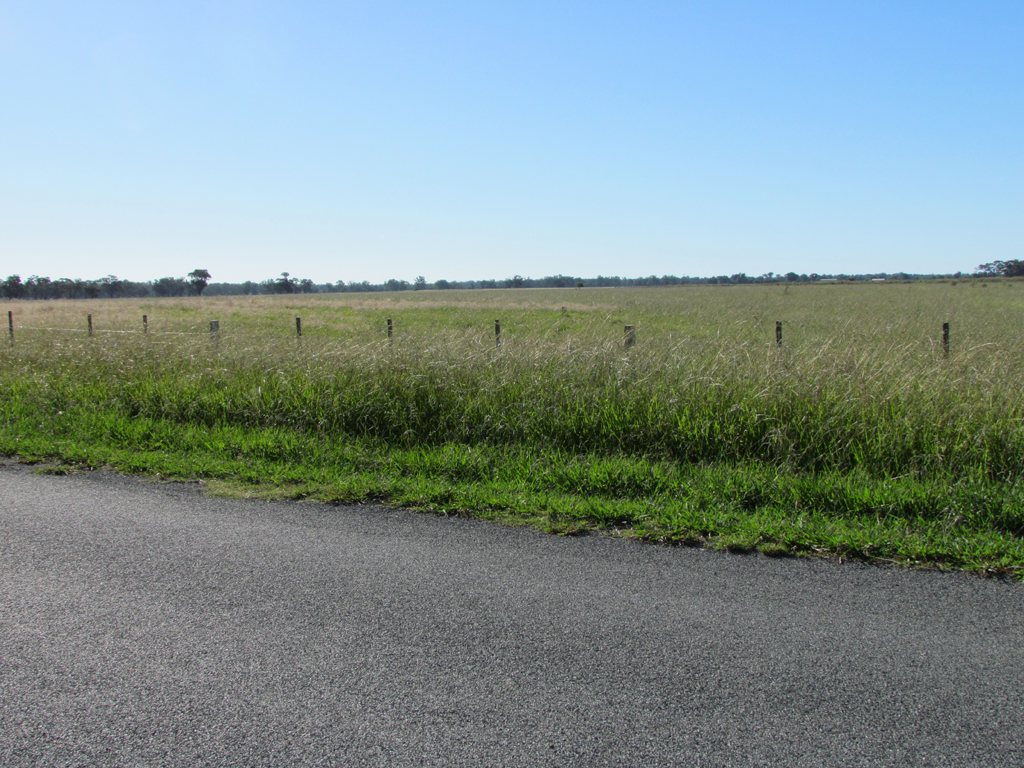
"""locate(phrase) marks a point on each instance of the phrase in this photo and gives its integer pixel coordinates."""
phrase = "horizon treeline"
(110, 286)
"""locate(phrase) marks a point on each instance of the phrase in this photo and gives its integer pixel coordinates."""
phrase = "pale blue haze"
(478, 140)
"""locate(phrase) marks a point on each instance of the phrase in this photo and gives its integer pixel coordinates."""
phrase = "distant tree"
(516, 281)
(199, 278)
(396, 285)
(170, 286)
(556, 281)
(91, 289)
(419, 283)
(792, 277)
(13, 288)
(65, 288)
(112, 285)
(442, 285)
(306, 286)
(285, 284)
(39, 288)
(135, 290)
(1010, 268)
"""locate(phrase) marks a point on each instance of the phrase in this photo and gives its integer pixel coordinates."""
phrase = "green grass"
(858, 437)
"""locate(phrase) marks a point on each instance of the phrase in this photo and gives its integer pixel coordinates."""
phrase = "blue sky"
(364, 141)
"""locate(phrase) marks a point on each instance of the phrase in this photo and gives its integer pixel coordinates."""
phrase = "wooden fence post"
(630, 335)
(945, 339)
(90, 324)
(391, 330)
(215, 330)
(497, 333)
(298, 327)
(145, 323)
(778, 332)
(10, 325)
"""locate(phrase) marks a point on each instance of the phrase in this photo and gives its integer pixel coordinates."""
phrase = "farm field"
(858, 437)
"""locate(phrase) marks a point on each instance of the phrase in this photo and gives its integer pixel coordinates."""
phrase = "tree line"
(111, 287)
(198, 283)
(1010, 268)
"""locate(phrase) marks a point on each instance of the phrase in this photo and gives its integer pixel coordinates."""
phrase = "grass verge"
(966, 523)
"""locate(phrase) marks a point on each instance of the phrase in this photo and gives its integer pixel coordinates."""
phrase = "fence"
(89, 330)
(214, 332)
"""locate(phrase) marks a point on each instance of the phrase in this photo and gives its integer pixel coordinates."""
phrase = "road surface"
(145, 624)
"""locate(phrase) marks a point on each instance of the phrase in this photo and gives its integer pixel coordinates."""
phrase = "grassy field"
(857, 437)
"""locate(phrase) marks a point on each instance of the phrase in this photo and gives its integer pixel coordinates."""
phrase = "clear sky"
(458, 140)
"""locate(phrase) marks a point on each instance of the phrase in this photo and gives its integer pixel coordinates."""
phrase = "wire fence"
(107, 330)
(89, 330)
(629, 335)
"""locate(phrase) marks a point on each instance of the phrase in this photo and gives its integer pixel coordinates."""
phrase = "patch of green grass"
(967, 524)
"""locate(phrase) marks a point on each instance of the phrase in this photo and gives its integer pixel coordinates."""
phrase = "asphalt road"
(145, 624)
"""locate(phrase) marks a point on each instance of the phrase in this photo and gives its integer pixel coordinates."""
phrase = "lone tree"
(199, 279)
(285, 283)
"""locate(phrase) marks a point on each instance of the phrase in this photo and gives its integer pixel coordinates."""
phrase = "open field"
(858, 436)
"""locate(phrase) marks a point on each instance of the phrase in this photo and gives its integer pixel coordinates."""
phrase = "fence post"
(630, 335)
(215, 330)
(10, 325)
(90, 324)
(945, 339)
(497, 333)
(390, 330)
(298, 327)
(778, 332)
(145, 323)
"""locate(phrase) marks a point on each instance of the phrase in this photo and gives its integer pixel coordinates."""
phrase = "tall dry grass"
(861, 381)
